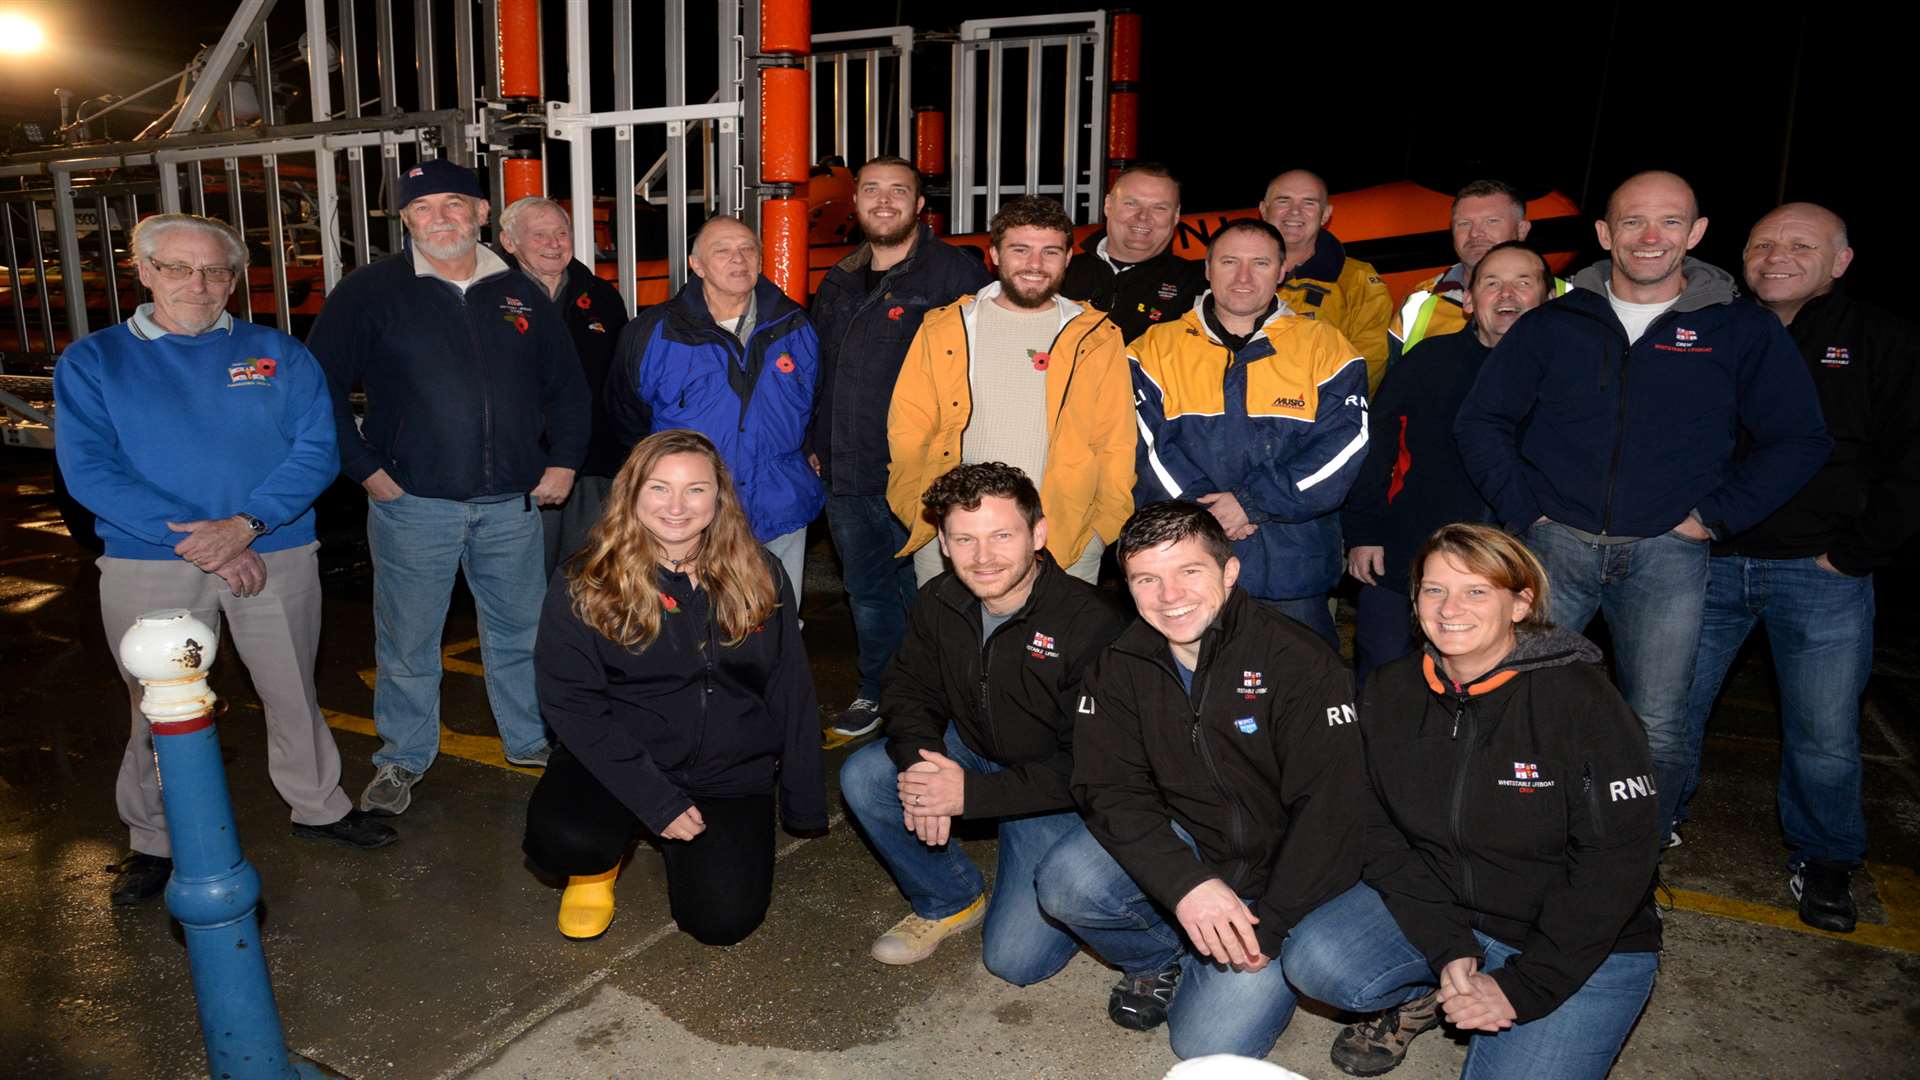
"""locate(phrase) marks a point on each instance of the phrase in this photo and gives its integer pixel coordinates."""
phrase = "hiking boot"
(1826, 899)
(535, 760)
(1379, 1045)
(142, 877)
(857, 719)
(1139, 1002)
(391, 791)
(357, 829)
(913, 938)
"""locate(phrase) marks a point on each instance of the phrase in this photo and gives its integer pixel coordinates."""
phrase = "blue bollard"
(214, 891)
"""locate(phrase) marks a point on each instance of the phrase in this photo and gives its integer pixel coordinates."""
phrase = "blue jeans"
(1019, 943)
(1820, 628)
(1311, 612)
(1216, 1010)
(1382, 631)
(417, 545)
(1653, 593)
(880, 588)
(1351, 954)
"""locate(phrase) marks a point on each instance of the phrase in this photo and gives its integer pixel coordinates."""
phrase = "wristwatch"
(258, 527)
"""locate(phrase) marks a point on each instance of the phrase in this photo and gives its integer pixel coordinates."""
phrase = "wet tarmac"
(437, 957)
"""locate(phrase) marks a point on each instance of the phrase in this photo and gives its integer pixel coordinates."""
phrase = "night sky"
(1362, 94)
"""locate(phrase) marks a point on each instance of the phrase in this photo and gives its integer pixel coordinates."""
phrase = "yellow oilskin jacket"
(1346, 292)
(1088, 486)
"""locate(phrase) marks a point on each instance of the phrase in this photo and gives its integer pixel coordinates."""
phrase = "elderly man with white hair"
(735, 359)
(200, 443)
(476, 416)
(537, 236)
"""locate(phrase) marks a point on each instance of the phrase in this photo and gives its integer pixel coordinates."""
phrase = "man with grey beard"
(476, 416)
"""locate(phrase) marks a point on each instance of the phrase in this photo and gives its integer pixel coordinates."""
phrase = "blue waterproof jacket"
(1281, 424)
(1569, 420)
(677, 368)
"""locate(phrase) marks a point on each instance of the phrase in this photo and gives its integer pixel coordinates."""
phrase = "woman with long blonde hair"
(670, 668)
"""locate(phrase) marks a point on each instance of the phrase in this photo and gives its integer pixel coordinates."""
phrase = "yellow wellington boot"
(586, 907)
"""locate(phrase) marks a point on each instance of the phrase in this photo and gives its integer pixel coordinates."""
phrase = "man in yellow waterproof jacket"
(1321, 281)
(1018, 374)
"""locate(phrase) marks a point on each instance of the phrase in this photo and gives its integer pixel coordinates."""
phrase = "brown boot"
(1379, 1045)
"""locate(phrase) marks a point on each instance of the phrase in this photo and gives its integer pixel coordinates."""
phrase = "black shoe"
(1139, 1002)
(857, 719)
(1826, 902)
(358, 829)
(142, 877)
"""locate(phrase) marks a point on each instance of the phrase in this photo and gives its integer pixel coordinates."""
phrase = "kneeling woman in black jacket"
(670, 667)
(1511, 837)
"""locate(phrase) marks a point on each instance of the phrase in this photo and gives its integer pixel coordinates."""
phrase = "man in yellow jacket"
(1018, 374)
(1321, 281)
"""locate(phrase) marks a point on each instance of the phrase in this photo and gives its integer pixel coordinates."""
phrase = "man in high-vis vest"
(1485, 213)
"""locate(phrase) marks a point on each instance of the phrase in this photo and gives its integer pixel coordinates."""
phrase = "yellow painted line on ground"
(447, 662)
(484, 749)
(1899, 896)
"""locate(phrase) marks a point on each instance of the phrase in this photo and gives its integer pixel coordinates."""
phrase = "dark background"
(1745, 100)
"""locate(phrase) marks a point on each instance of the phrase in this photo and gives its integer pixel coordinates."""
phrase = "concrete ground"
(437, 958)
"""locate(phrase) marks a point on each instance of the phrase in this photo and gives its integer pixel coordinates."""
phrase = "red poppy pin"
(584, 302)
(521, 324)
(895, 312)
(667, 601)
(1039, 359)
(266, 365)
(784, 363)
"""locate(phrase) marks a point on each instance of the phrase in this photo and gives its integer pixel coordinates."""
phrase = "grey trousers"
(276, 633)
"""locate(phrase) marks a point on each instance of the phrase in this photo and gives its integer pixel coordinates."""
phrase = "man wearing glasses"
(200, 443)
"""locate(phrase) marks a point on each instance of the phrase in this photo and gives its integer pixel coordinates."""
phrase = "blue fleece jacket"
(1571, 421)
(193, 428)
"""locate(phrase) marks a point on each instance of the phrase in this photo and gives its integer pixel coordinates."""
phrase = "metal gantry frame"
(206, 156)
(979, 158)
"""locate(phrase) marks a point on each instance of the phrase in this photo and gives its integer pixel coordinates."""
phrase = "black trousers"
(718, 883)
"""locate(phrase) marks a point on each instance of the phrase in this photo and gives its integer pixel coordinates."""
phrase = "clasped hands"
(933, 791)
(222, 546)
(1472, 1000)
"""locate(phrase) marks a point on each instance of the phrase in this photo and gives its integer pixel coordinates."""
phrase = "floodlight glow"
(20, 35)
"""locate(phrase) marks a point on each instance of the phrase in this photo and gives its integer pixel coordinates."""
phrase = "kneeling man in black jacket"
(1218, 760)
(979, 711)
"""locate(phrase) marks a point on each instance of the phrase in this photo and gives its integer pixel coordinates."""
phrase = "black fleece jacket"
(1141, 295)
(1261, 764)
(1521, 805)
(1865, 502)
(1012, 697)
(469, 395)
(689, 715)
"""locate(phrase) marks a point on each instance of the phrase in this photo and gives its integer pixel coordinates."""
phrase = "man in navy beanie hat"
(476, 416)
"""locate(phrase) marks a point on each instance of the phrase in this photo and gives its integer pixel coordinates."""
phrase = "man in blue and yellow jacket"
(1259, 415)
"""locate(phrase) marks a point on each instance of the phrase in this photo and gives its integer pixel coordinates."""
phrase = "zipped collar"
(1329, 255)
(1204, 316)
(1142, 640)
(772, 307)
(487, 264)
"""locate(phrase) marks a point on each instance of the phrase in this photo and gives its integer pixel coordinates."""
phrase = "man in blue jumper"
(200, 444)
(1602, 430)
(477, 416)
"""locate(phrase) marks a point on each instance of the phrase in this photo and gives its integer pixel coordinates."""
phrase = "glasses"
(215, 275)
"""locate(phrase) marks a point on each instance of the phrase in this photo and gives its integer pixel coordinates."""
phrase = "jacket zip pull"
(1459, 710)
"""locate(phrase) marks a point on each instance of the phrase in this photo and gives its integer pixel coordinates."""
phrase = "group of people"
(1189, 787)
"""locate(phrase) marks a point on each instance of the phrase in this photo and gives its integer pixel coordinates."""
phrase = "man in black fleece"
(1807, 569)
(477, 416)
(1413, 481)
(979, 705)
(1219, 762)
